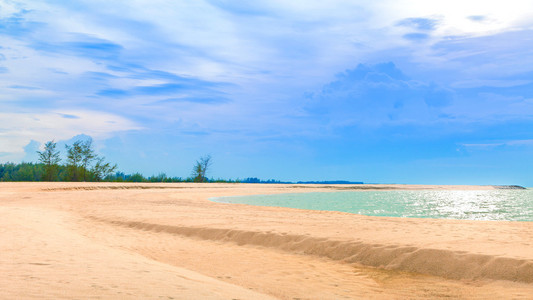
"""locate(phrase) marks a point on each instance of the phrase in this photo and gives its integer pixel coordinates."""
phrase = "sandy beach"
(168, 241)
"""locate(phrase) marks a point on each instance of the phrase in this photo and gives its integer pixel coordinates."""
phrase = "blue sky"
(432, 92)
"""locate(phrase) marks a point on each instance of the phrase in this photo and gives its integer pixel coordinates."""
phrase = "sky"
(391, 91)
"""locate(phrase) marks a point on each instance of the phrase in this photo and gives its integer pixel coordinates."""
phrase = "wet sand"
(168, 241)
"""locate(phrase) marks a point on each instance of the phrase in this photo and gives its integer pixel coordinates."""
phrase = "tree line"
(83, 164)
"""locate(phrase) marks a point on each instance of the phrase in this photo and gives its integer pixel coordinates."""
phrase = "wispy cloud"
(477, 18)
(212, 100)
(267, 73)
(416, 36)
(424, 24)
(23, 87)
(84, 46)
(490, 146)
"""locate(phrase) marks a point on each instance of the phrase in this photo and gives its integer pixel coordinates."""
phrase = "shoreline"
(157, 221)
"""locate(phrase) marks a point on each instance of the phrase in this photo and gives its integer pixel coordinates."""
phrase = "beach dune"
(168, 241)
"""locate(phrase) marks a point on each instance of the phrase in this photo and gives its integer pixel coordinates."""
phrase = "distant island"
(330, 182)
(257, 180)
(509, 187)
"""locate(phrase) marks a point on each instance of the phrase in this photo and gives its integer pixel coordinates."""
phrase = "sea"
(497, 205)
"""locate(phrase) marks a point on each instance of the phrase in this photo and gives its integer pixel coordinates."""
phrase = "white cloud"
(273, 51)
(301, 41)
(17, 129)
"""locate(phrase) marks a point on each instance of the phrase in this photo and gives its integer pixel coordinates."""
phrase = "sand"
(168, 241)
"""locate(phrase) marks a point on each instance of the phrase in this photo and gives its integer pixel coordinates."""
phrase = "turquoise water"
(509, 205)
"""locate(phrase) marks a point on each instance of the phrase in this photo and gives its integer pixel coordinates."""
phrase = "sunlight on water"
(510, 205)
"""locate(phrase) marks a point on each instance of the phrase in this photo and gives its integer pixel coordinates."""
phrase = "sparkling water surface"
(508, 205)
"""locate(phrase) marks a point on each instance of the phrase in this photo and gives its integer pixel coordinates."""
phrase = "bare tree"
(200, 169)
(50, 158)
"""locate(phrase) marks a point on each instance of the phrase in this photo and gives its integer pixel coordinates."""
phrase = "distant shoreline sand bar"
(66, 240)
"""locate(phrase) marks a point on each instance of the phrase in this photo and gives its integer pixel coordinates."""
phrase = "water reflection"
(511, 205)
(472, 205)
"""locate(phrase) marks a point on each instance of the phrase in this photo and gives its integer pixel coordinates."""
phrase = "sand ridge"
(446, 263)
(167, 224)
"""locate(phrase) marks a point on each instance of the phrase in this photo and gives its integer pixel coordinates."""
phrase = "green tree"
(7, 172)
(74, 161)
(136, 177)
(102, 169)
(24, 172)
(87, 156)
(80, 155)
(200, 168)
(50, 159)
(162, 177)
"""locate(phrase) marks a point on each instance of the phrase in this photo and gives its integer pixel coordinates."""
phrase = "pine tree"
(50, 159)
(74, 161)
(200, 169)
(102, 169)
